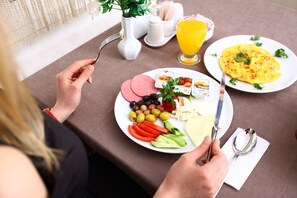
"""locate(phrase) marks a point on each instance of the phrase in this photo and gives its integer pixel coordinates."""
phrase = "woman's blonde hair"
(21, 121)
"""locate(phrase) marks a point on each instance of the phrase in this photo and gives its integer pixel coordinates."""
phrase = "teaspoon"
(243, 143)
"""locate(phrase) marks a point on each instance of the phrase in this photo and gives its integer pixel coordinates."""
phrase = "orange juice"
(190, 35)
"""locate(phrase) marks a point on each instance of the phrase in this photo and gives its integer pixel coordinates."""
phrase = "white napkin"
(244, 165)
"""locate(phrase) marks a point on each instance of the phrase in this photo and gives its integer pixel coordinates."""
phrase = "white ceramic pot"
(141, 24)
(129, 47)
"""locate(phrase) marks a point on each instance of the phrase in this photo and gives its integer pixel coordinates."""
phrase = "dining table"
(273, 114)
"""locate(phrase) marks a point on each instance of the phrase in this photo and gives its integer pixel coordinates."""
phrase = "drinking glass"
(190, 33)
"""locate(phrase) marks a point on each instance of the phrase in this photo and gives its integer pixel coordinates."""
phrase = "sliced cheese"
(205, 108)
(184, 110)
(199, 127)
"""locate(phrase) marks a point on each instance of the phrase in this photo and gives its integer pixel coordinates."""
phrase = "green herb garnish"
(281, 53)
(247, 61)
(239, 57)
(233, 81)
(258, 44)
(243, 57)
(258, 86)
(167, 92)
(191, 97)
(129, 8)
(214, 55)
(255, 38)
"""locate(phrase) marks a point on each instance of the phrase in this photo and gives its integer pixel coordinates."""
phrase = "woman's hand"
(188, 179)
(69, 87)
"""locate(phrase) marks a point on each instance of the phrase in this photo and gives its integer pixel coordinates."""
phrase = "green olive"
(164, 115)
(132, 116)
(156, 112)
(160, 107)
(138, 111)
(152, 106)
(146, 112)
(140, 117)
(150, 118)
(143, 107)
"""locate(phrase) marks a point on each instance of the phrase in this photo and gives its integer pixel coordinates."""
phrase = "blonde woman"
(40, 158)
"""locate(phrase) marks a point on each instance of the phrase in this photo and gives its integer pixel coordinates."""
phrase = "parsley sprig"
(168, 91)
(280, 53)
(258, 86)
(255, 38)
(258, 44)
(243, 57)
(232, 81)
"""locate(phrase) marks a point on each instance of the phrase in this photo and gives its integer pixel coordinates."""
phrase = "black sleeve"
(72, 176)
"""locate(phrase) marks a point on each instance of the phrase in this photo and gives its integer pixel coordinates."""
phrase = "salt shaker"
(155, 34)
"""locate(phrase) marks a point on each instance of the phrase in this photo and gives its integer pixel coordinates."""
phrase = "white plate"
(121, 110)
(288, 65)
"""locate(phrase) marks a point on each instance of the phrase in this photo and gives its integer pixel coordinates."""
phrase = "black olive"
(145, 98)
(140, 103)
(148, 103)
(135, 107)
(153, 96)
(132, 104)
(156, 102)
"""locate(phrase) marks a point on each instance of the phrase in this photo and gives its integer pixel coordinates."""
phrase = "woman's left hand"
(69, 87)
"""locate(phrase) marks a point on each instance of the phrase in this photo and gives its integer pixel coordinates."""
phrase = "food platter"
(288, 65)
(121, 110)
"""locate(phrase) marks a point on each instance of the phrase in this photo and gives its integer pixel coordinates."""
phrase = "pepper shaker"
(155, 34)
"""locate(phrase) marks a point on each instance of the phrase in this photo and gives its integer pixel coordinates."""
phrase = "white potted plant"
(129, 47)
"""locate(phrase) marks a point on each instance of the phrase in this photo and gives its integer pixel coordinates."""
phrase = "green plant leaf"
(130, 8)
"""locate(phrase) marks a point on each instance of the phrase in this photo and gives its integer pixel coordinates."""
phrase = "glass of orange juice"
(190, 33)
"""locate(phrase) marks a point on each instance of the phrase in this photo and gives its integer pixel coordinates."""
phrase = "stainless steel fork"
(107, 41)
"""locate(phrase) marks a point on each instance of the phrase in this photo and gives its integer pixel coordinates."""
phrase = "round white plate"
(121, 110)
(288, 65)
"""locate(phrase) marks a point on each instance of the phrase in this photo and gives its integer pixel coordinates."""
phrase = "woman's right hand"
(188, 179)
(69, 86)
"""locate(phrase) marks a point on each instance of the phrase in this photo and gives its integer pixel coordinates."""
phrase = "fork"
(107, 41)
(103, 44)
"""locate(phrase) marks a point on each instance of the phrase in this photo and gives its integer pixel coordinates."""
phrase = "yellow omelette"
(249, 63)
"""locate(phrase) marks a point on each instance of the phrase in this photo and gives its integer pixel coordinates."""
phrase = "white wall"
(47, 49)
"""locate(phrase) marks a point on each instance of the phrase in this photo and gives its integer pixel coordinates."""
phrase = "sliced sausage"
(143, 85)
(127, 92)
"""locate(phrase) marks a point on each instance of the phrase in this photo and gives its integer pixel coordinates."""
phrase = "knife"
(218, 115)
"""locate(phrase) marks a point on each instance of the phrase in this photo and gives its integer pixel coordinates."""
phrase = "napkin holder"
(141, 23)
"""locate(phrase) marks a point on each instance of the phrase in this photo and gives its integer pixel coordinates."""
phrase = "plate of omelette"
(252, 63)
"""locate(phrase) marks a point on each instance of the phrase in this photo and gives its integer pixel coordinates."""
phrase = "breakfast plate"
(288, 68)
(122, 108)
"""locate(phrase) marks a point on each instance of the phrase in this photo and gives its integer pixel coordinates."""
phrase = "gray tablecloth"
(273, 115)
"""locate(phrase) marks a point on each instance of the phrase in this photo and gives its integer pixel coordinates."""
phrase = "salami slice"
(127, 92)
(143, 85)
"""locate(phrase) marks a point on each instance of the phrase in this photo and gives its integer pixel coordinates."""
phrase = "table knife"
(218, 115)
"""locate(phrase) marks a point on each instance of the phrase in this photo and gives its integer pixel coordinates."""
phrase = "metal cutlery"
(218, 115)
(107, 41)
(102, 45)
